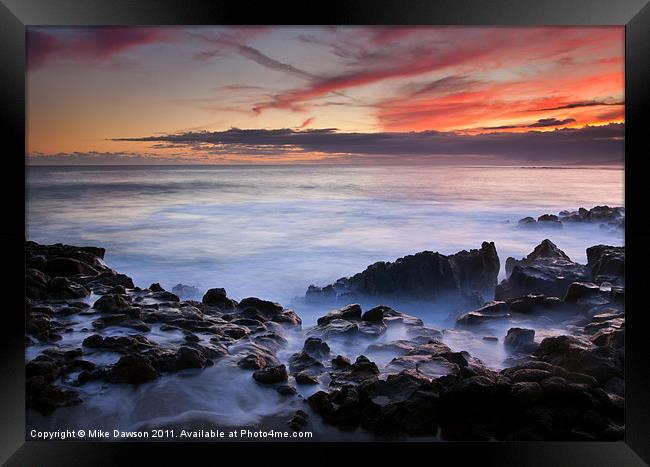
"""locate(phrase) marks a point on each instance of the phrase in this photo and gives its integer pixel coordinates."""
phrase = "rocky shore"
(403, 381)
(604, 216)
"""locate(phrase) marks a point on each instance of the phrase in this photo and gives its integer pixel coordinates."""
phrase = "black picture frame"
(15, 15)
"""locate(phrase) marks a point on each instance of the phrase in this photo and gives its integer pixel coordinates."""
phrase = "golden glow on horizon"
(83, 92)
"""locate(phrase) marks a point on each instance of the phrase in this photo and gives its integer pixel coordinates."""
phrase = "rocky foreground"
(558, 387)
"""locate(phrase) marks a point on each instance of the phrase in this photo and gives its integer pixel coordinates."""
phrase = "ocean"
(270, 232)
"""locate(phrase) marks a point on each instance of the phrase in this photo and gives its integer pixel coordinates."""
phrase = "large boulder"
(217, 297)
(476, 270)
(607, 264)
(547, 270)
(423, 276)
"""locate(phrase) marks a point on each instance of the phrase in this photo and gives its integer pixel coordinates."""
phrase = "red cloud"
(411, 52)
(307, 122)
(83, 43)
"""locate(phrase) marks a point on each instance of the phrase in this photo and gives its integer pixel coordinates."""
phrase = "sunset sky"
(122, 95)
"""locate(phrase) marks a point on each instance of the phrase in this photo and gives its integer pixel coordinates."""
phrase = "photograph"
(324, 233)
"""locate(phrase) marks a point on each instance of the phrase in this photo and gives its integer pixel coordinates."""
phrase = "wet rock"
(339, 408)
(110, 279)
(188, 357)
(476, 270)
(66, 267)
(402, 403)
(264, 310)
(165, 296)
(256, 361)
(156, 287)
(121, 320)
(62, 287)
(316, 348)
(361, 370)
(375, 314)
(125, 344)
(306, 378)
(549, 220)
(422, 276)
(493, 312)
(286, 390)
(580, 355)
(607, 263)
(527, 222)
(45, 397)
(534, 304)
(610, 337)
(299, 420)
(304, 362)
(348, 313)
(520, 340)
(341, 362)
(131, 369)
(112, 303)
(547, 270)
(271, 375)
(35, 283)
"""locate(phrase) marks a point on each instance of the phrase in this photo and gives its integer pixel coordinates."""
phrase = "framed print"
(395, 225)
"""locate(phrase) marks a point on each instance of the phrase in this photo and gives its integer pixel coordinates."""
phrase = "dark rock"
(520, 340)
(547, 270)
(534, 304)
(256, 361)
(131, 369)
(271, 375)
(302, 361)
(349, 313)
(35, 283)
(361, 370)
(303, 377)
(66, 267)
(126, 344)
(112, 303)
(496, 311)
(527, 222)
(286, 390)
(476, 270)
(580, 355)
(217, 297)
(607, 263)
(422, 276)
(316, 348)
(374, 314)
(45, 397)
(62, 287)
(340, 408)
(156, 287)
(188, 357)
(110, 279)
(165, 296)
(299, 420)
(264, 310)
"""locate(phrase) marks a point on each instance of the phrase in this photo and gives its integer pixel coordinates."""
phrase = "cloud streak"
(604, 143)
(96, 43)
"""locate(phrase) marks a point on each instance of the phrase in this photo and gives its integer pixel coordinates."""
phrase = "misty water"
(269, 232)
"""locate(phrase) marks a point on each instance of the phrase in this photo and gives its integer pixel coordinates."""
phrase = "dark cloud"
(97, 43)
(590, 143)
(575, 105)
(541, 123)
(450, 83)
